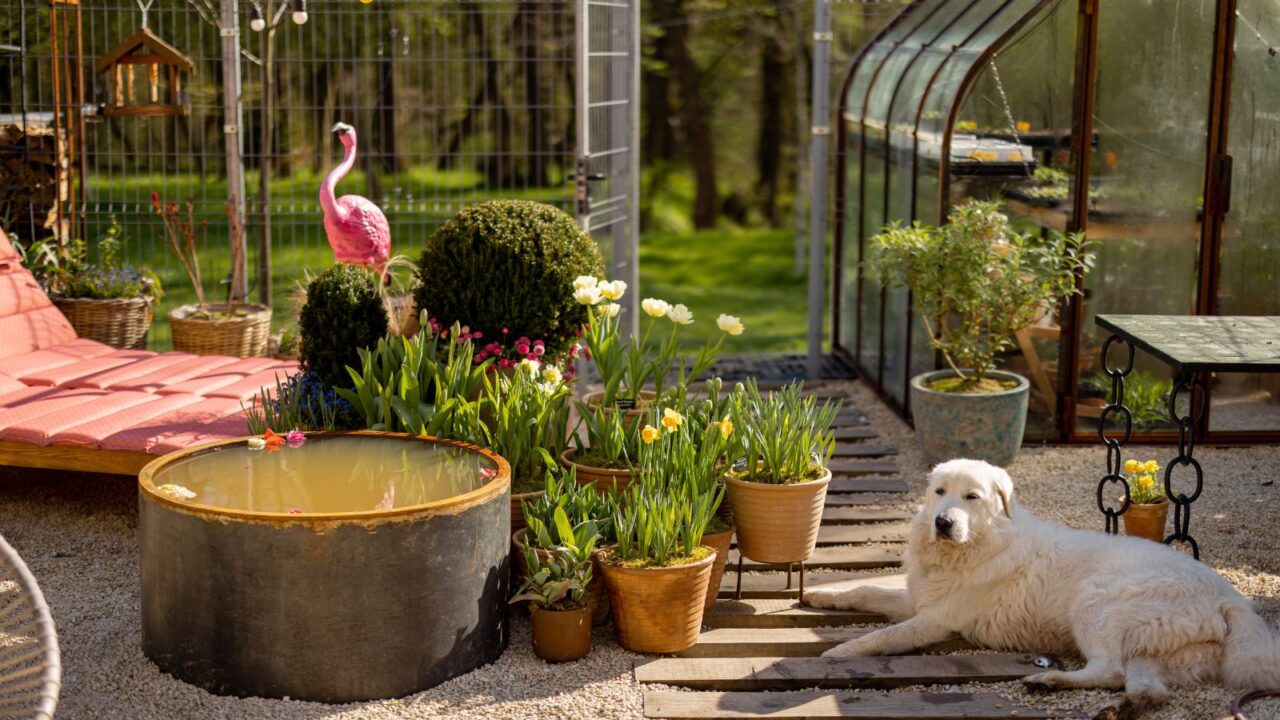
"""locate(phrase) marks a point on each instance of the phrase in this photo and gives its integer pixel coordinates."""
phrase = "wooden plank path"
(759, 652)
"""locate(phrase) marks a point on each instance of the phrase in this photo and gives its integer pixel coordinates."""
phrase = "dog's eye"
(971, 496)
(940, 491)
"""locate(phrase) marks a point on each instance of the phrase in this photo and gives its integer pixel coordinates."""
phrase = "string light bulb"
(256, 23)
(299, 12)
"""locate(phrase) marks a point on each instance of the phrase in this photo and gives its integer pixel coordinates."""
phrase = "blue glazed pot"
(978, 427)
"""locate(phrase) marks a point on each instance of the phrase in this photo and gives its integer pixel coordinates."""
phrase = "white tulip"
(530, 366)
(653, 307)
(552, 375)
(613, 290)
(610, 310)
(680, 315)
(587, 295)
(730, 324)
(585, 281)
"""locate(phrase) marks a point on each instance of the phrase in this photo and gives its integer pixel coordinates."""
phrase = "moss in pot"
(778, 484)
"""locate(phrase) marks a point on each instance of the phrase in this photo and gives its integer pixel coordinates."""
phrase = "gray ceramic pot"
(979, 427)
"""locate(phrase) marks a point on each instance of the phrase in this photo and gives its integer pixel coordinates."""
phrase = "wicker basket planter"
(244, 335)
(118, 322)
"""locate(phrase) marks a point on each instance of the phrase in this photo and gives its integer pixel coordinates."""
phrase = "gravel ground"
(77, 532)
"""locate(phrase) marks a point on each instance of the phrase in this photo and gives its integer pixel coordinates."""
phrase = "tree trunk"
(659, 140)
(385, 141)
(695, 117)
(773, 94)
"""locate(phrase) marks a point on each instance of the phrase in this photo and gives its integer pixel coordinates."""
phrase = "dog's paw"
(832, 599)
(852, 648)
(1041, 682)
(1120, 709)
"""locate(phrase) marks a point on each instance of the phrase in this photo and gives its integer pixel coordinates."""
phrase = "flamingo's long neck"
(328, 202)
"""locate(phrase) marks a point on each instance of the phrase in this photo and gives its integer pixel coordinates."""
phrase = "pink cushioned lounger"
(176, 373)
(69, 353)
(190, 421)
(33, 330)
(91, 433)
(65, 412)
(26, 395)
(8, 385)
(226, 375)
(249, 387)
(64, 374)
(226, 428)
(112, 377)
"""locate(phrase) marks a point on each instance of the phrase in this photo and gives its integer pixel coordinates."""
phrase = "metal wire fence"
(455, 101)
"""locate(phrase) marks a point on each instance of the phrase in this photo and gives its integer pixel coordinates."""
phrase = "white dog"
(1142, 615)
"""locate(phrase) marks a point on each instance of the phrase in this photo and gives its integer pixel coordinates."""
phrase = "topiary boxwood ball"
(508, 264)
(344, 312)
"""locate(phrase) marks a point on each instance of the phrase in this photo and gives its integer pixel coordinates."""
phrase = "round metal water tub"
(353, 566)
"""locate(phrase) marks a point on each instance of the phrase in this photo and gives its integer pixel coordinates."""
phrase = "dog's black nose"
(943, 523)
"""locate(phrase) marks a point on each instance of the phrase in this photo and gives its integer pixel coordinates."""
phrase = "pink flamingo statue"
(358, 231)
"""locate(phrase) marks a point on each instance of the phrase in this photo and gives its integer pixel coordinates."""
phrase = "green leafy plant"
(582, 506)
(528, 416)
(505, 269)
(610, 443)
(556, 581)
(299, 402)
(344, 313)
(782, 437)
(67, 271)
(419, 385)
(1144, 486)
(976, 282)
(660, 526)
(626, 367)
(1145, 394)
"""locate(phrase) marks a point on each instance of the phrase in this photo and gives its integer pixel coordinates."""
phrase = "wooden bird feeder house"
(144, 51)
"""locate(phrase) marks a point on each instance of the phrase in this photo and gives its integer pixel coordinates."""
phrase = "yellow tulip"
(649, 434)
(1151, 466)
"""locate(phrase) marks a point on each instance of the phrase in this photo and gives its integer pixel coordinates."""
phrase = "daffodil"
(726, 427)
(648, 434)
(653, 307)
(585, 281)
(609, 310)
(533, 367)
(680, 315)
(1132, 466)
(587, 295)
(551, 374)
(671, 420)
(613, 290)
(730, 324)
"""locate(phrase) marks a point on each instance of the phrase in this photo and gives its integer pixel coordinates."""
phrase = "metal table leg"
(1115, 409)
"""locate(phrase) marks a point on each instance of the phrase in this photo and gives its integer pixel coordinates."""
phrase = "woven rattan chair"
(30, 668)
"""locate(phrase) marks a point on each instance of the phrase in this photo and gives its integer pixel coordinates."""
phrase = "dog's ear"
(1004, 488)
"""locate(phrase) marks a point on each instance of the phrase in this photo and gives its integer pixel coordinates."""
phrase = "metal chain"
(1008, 112)
(1192, 388)
(1115, 409)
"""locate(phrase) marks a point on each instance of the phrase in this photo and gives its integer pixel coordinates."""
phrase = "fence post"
(821, 130)
(233, 115)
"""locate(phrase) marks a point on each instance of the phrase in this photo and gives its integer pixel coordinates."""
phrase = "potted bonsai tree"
(555, 587)
(975, 282)
(657, 573)
(1148, 509)
(109, 301)
(583, 508)
(778, 484)
(233, 327)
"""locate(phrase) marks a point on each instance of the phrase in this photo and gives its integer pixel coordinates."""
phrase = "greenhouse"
(1025, 102)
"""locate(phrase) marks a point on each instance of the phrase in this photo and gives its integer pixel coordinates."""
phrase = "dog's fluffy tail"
(1252, 650)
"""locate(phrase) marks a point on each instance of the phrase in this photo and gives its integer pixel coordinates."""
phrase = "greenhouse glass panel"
(1249, 278)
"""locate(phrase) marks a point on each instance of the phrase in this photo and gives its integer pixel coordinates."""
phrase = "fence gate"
(607, 177)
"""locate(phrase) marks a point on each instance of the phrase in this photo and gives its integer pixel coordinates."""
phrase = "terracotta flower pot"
(602, 478)
(597, 596)
(517, 507)
(631, 416)
(658, 610)
(720, 542)
(777, 523)
(561, 635)
(1146, 521)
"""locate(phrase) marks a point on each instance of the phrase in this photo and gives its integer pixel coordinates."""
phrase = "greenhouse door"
(607, 180)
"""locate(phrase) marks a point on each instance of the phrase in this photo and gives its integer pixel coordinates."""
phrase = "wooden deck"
(759, 652)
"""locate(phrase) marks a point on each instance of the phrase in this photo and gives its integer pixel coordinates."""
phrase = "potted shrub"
(657, 573)
(504, 271)
(528, 415)
(233, 327)
(604, 460)
(687, 446)
(555, 586)
(975, 283)
(778, 484)
(109, 301)
(1148, 509)
(343, 313)
(582, 507)
(627, 368)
